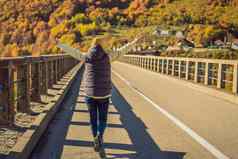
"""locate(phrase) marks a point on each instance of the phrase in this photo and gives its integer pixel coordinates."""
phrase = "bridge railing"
(221, 74)
(25, 79)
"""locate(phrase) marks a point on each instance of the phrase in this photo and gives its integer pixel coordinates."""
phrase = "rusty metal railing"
(25, 79)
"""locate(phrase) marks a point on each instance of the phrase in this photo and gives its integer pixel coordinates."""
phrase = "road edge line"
(202, 141)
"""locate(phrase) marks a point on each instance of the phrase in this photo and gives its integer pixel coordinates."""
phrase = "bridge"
(161, 108)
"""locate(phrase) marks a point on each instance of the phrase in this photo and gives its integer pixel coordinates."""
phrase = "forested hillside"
(34, 26)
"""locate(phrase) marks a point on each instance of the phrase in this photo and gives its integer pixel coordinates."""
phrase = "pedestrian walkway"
(69, 135)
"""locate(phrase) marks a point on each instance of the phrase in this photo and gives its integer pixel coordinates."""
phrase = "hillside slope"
(33, 26)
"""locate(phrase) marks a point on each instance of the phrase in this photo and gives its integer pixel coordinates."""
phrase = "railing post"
(61, 67)
(147, 63)
(167, 66)
(51, 68)
(179, 68)
(162, 69)
(158, 64)
(187, 70)
(28, 87)
(49, 73)
(45, 77)
(173, 67)
(206, 73)
(150, 61)
(220, 75)
(11, 109)
(65, 65)
(3, 95)
(155, 64)
(36, 83)
(235, 79)
(196, 72)
(155, 61)
(58, 69)
(140, 62)
(55, 71)
(143, 62)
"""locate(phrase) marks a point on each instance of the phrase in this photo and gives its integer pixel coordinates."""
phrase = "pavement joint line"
(202, 141)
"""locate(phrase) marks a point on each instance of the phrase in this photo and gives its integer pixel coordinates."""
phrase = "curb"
(30, 138)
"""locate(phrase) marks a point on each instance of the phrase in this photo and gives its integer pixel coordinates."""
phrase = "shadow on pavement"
(143, 143)
(143, 146)
(52, 142)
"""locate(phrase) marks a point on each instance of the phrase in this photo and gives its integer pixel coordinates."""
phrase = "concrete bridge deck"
(169, 120)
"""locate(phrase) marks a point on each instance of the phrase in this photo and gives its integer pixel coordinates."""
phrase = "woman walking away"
(97, 84)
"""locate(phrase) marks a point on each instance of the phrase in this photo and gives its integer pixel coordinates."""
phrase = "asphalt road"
(213, 120)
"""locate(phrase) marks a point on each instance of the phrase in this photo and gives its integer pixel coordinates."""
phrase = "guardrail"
(222, 74)
(25, 79)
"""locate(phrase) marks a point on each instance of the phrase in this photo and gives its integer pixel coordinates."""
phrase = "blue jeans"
(98, 109)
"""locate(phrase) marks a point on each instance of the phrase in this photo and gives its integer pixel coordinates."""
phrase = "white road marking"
(212, 149)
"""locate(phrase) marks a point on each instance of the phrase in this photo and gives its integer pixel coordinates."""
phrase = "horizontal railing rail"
(25, 79)
(222, 74)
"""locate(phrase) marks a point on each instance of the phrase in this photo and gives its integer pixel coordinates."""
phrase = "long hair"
(106, 41)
